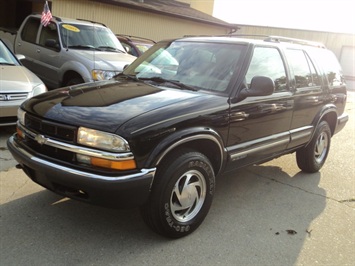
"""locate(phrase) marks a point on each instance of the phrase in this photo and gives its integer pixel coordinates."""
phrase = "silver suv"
(69, 51)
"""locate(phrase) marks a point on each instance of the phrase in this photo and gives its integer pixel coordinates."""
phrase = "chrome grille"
(13, 96)
(50, 129)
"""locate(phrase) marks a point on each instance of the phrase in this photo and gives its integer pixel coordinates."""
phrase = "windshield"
(6, 57)
(199, 65)
(96, 37)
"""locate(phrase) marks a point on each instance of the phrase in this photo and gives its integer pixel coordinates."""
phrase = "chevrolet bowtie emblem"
(40, 139)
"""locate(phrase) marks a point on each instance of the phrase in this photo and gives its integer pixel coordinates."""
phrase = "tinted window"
(29, 31)
(49, 33)
(303, 69)
(267, 62)
(330, 66)
(203, 66)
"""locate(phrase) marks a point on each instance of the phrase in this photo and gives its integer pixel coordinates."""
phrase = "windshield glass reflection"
(199, 65)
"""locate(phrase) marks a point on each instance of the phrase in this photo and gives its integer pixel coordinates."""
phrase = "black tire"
(311, 158)
(181, 195)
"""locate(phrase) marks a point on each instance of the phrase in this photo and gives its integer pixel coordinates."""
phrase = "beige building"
(164, 19)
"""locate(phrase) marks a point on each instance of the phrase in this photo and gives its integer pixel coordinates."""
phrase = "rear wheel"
(181, 195)
(312, 157)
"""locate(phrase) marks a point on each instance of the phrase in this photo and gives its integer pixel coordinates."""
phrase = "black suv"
(187, 110)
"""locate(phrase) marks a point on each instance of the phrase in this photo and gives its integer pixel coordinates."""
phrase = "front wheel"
(74, 81)
(311, 158)
(181, 195)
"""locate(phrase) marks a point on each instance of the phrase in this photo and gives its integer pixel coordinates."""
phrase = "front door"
(259, 126)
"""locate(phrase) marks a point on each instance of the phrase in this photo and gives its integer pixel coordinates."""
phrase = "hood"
(103, 105)
(17, 79)
(104, 60)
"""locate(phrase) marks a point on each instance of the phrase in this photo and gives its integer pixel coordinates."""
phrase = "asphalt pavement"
(271, 214)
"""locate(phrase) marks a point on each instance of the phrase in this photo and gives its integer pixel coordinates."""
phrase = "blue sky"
(323, 15)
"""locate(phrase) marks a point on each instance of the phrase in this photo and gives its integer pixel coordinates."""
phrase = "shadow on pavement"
(260, 215)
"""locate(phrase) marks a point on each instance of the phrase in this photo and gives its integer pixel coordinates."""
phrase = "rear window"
(330, 65)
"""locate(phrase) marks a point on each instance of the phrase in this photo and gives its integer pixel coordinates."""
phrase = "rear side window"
(29, 31)
(267, 61)
(303, 69)
(331, 67)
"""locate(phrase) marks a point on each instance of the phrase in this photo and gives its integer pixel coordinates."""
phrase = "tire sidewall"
(190, 161)
(322, 128)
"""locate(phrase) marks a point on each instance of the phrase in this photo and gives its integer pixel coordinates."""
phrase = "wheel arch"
(73, 68)
(206, 141)
(328, 114)
(70, 75)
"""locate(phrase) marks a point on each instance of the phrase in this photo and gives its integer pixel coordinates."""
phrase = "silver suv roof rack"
(267, 38)
(293, 40)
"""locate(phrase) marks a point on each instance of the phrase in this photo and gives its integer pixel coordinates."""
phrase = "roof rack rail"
(228, 35)
(267, 38)
(95, 22)
(293, 40)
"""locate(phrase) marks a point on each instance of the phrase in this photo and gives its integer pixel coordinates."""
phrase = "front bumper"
(122, 191)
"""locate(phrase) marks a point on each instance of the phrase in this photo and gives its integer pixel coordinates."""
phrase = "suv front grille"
(13, 96)
(50, 129)
(54, 153)
(55, 131)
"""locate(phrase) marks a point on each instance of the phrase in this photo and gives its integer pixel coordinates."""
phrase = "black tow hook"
(19, 166)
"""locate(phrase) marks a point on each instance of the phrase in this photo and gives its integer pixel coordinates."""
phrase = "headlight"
(38, 90)
(98, 74)
(102, 140)
(21, 116)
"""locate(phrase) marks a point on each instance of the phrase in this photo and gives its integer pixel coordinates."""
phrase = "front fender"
(199, 138)
(75, 66)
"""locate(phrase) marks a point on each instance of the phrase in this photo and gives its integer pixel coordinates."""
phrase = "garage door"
(347, 61)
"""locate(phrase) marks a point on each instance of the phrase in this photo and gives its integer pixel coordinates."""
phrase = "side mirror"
(259, 86)
(20, 56)
(52, 43)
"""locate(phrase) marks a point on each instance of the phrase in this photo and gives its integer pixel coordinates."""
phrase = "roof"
(171, 8)
(71, 20)
(255, 39)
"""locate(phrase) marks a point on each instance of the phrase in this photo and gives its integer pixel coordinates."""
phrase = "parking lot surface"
(270, 214)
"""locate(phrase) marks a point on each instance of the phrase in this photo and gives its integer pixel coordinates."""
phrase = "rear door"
(41, 58)
(309, 96)
(49, 55)
(25, 44)
(259, 126)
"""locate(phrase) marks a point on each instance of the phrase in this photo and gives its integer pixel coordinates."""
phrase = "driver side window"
(267, 61)
(49, 33)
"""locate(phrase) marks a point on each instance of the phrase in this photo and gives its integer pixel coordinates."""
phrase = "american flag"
(46, 15)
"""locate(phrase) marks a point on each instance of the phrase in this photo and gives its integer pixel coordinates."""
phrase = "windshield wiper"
(90, 47)
(174, 82)
(133, 77)
(110, 48)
